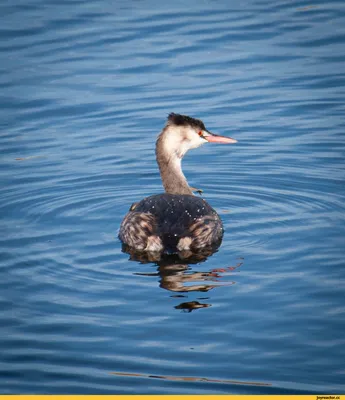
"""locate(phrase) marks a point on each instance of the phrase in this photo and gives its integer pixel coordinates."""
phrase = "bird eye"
(200, 133)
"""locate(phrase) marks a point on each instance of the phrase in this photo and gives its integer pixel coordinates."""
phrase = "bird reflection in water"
(176, 274)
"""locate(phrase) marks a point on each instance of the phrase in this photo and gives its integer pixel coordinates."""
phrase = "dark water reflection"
(85, 89)
(176, 275)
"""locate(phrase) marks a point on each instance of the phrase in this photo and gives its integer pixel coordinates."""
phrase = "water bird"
(177, 220)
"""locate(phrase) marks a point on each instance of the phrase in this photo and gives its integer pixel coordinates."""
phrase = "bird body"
(171, 221)
(176, 220)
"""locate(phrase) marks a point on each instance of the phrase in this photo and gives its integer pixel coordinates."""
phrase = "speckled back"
(176, 214)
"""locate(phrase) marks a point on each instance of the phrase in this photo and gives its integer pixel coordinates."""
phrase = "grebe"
(176, 220)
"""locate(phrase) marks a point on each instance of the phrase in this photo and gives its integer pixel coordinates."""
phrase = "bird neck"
(169, 155)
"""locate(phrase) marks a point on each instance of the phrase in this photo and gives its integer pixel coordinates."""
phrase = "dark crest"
(184, 120)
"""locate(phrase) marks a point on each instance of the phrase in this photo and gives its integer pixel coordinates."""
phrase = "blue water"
(86, 86)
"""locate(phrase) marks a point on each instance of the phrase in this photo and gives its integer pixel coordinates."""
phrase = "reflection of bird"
(177, 278)
(176, 275)
(189, 306)
(177, 220)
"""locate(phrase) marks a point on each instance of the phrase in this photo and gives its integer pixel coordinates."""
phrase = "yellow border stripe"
(173, 397)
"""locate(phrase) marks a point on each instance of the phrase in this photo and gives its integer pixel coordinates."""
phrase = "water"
(85, 89)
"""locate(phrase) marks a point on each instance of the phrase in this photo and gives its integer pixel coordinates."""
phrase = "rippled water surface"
(86, 87)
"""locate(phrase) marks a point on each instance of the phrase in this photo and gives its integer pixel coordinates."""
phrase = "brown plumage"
(175, 220)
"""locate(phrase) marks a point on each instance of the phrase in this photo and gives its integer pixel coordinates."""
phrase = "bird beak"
(212, 138)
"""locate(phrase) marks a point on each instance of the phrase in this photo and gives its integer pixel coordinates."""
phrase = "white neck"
(169, 153)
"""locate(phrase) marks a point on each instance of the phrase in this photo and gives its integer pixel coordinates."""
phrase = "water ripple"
(84, 92)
